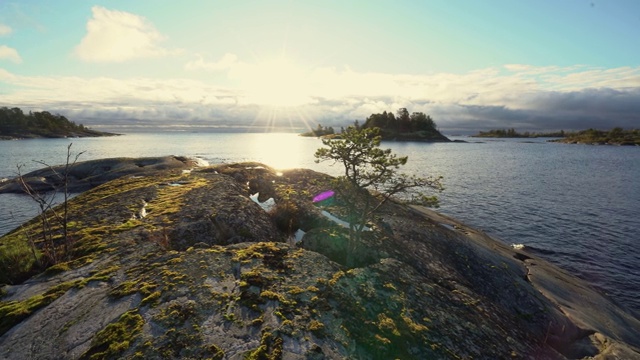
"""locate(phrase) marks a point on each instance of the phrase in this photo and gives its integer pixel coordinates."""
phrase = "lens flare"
(323, 196)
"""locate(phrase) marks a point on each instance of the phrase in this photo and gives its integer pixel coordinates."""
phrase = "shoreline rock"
(85, 175)
(207, 273)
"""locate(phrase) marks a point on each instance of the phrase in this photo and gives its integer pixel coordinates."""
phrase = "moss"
(315, 325)
(336, 277)
(257, 321)
(17, 261)
(382, 339)
(387, 324)
(13, 312)
(100, 275)
(295, 290)
(176, 314)
(270, 348)
(116, 337)
(130, 224)
(271, 295)
(216, 351)
(125, 288)
(272, 254)
(58, 268)
(152, 299)
(412, 325)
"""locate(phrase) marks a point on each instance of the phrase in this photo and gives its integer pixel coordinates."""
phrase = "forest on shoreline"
(15, 124)
(615, 136)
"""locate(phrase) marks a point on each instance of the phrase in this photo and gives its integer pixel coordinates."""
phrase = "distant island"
(319, 131)
(512, 133)
(15, 124)
(615, 136)
(405, 127)
(400, 127)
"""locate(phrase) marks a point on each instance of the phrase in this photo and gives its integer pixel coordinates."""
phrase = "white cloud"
(10, 54)
(525, 97)
(118, 36)
(5, 30)
(225, 63)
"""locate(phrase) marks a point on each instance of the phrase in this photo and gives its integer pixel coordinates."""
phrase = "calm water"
(577, 206)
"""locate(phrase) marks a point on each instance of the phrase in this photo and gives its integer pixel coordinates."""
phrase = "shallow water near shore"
(575, 205)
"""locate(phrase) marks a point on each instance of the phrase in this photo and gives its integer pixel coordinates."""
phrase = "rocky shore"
(179, 262)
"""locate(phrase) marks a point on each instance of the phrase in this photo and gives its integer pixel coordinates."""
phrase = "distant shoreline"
(61, 136)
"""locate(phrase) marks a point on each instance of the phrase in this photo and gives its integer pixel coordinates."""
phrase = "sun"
(278, 82)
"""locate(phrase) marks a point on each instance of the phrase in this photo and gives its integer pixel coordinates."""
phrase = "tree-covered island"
(15, 124)
(405, 127)
(399, 127)
(615, 136)
(512, 133)
(319, 131)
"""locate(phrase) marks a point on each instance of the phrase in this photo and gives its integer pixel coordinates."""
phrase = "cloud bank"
(520, 96)
(118, 36)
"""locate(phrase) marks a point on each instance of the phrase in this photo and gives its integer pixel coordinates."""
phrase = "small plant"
(161, 238)
(50, 218)
(286, 215)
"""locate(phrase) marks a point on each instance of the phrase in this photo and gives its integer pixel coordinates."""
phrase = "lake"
(577, 206)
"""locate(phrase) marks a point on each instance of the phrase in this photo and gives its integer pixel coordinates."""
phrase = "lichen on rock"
(207, 273)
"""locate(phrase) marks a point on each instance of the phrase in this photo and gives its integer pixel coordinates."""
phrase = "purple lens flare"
(323, 196)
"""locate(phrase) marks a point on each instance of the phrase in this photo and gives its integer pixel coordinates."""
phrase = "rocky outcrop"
(88, 174)
(204, 272)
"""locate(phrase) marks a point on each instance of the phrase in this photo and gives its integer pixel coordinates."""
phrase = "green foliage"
(402, 123)
(512, 133)
(17, 259)
(116, 337)
(15, 123)
(367, 167)
(320, 131)
(13, 312)
(615, 136)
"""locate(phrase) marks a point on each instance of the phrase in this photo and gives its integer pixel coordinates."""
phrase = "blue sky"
(472, 65)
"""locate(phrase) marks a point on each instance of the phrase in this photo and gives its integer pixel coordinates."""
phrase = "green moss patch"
(116, 337)
(13, 312)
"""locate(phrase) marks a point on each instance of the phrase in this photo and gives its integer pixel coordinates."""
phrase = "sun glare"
(281, 151)
(278, 83)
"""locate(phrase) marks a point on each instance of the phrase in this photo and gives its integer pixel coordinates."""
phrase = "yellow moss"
(274, 296)
(125, 288)
(13, 312)
(116, 337)
(413, 326)
(295, 290)
(386, 323)
(336, 277)
(382, 339)
(315, 325)
(151, 298)
(390, 286)
(102, 274)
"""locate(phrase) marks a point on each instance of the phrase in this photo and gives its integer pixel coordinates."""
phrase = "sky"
(289, 65)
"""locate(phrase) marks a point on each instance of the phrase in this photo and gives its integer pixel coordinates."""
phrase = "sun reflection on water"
(280, 151)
